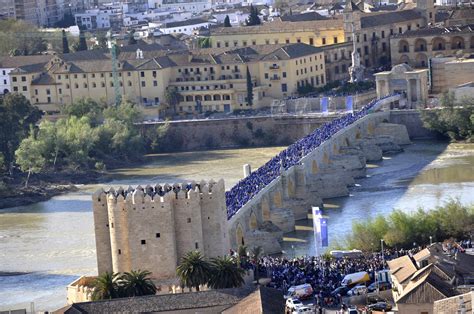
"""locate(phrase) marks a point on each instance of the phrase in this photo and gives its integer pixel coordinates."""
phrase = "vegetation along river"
(45, 246)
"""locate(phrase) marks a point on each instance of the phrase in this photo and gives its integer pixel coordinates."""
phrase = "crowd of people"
(248, 187)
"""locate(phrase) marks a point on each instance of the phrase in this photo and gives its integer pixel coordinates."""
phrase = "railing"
(250, 186)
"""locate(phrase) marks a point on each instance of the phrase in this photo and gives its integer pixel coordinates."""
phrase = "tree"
(249, 88)
(29, 157)
(137, 283)
(227, 21)
(101, 41)
(256, 253)
(194, 270)
(82, 42)
(66, 21)
(85, 107)
(15, 42)
(131, 38)
(106, 286)
(204, 42)
(253, 18)
(65, 42)
(172, 97)
(225, 273)
(16, 116)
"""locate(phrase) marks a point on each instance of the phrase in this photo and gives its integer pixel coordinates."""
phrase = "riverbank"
(43, 187)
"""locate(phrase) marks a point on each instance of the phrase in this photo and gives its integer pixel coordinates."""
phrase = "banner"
(324, 104)
(320, 224)
(349, 104)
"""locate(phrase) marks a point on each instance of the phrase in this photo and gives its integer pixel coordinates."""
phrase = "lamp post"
(383, 256)
(431, 240)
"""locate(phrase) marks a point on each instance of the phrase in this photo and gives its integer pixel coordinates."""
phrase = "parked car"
(303, 309)
(342, 290)
(382, 286)
(380, 306)
(352, 310)
(357, 290)
(293, 303)
(301, 292)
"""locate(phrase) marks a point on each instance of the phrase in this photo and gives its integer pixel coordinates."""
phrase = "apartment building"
(205, 79)
(313, 33)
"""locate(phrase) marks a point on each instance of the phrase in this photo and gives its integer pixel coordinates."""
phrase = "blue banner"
(324, 104)
(320, 224)
(349, 104)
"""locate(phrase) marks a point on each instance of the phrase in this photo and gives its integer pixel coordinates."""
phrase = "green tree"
(225, 273)
(194, 270)
(227, 21)
(65, 42)
(127, 112)
(106, 286)
(137, 283)
(253, 18)
(172, 98)
(256, 253)
(204, 42)
(28, 156)
(101, 41)
(131, 38)
(85, 107)
(16, 116)
(249, 88)
(20, 38)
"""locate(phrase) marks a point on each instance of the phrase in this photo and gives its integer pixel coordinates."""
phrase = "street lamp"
(383, 256)
(431, 240)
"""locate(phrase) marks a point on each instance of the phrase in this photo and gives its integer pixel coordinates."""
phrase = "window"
(409, 27)
(155, 83)
(75, 76)
(153, 73)
(189, 220)
(15, 88)
(288, 41)
(365, 37)
(142, 74)
(244, 43)
(284, 87)
(384, 47)
(94, 85)
(284, 74)
(323, 40)
(129, 74)
(335, 56)
(254, 42)
(23, 78)
(48, 99)
(311, 41)
(102, 84)
(383, 34)
(59, 77)
(60, 91)
(143, 241)
(24, 88)
(399, 30)
(297, 72)
(119, 251)
(335, 39)
(266, 75)
(143, 84)
(76, 85)
(85, 85)
(48, 92)
(391, 31)
(14, 79)
(67, 86)
(83, 76)
(158, 235)
(366, 50)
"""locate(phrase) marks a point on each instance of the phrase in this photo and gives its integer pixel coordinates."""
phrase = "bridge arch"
(314, 167)
(326, 158)
(370, 128)
(347, 142)
(358, 135)
(253, 221)
(335, 149)
(239, 234)
(265, 209)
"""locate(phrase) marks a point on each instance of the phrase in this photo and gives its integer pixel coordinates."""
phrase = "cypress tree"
(65, 43)
(249, 88)
(82, 41)
(253, 18)
(227, 21)
(131, 38)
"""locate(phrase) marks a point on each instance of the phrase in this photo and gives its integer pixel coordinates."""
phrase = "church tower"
(351, 17)
(427, 10)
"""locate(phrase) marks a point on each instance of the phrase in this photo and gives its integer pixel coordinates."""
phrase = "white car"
(293, 304)
(302, 309)
(357, 290)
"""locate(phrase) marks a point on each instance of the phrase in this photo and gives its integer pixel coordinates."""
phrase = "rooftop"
(185, 23)
(385, 18)
(310, 16)
(437, 30)
(402, 268)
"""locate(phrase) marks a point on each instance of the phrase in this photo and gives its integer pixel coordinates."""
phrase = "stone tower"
(351, 17)
(151, 228)
(427, 10)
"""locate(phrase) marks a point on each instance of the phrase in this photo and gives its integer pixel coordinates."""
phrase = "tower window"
(119, 251)
(158, 235)
(196, 245)
(143, 241)
(189, 220)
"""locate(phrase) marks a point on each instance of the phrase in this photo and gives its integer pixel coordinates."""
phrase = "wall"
(236, 132)
(411, 119)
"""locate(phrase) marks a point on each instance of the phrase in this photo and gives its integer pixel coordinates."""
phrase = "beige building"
(416, 47)
(450, 72)
(313, 33)
(207, 79)
(458, 304)
(403, 79)
(337, 58)
(374, 30)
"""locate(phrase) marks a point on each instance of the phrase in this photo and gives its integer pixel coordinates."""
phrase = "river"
(51, 243)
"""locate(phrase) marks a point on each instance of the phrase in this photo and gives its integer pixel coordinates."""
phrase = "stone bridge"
(325, 172)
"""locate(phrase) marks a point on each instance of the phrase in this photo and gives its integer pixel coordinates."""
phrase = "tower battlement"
(152, 227)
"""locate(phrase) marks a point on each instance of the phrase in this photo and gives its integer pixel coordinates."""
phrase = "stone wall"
(412, 121)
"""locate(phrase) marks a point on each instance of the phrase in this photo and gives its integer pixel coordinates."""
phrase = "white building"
(236, 16)
(194, 6)
(187, 27)
(97, 18)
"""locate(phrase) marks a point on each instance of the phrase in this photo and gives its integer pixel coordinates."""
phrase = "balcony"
(274, 67)
(235, 71)
(275, 78)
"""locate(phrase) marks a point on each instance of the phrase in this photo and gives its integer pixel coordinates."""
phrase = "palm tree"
(136, 283)
(226, 273)
(106, 286)
(194, 270)
(242, 253)
(256, 252)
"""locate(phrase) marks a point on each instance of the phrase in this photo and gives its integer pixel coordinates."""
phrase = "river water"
(51, 243)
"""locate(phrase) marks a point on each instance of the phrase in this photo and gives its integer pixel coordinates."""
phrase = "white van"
(301, 292)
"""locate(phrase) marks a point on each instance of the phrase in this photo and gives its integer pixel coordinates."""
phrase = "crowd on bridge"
(250, 186)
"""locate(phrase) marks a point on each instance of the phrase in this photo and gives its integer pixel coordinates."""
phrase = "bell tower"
(427, 10)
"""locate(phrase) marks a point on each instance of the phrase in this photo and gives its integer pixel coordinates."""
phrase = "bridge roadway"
(325, 172)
